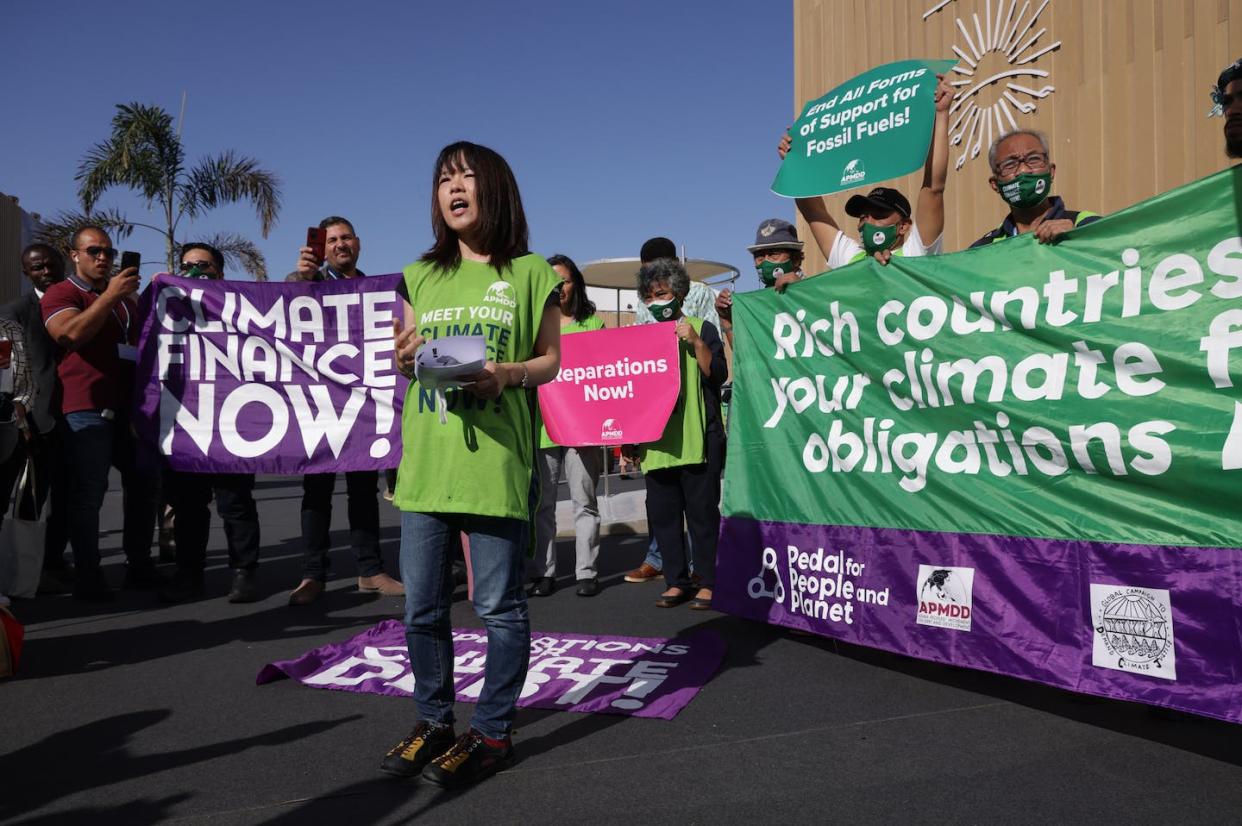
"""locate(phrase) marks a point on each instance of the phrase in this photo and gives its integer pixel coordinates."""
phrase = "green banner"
(873, 128)
(1083, 390)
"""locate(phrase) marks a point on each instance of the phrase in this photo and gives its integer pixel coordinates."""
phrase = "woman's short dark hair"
(580, 307)
(663, 271)
(502, 222)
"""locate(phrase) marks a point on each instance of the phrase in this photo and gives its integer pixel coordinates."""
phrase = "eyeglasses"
(1035, 161)
(96, 252)
(202, 266)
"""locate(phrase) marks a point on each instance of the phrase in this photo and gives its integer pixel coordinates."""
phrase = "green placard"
(871, 129)
(1088, 389)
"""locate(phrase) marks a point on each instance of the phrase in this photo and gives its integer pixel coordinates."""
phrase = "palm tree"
(144, 153)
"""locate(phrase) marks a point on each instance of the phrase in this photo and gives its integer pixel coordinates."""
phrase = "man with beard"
(341, 250)
(1227, 97)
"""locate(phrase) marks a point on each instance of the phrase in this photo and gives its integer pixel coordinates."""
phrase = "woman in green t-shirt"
(682, 469)
(468, 455)
(581, 465)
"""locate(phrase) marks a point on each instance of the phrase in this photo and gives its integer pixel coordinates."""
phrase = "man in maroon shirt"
(93, 319)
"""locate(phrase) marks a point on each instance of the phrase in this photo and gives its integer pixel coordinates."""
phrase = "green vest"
(683, 437)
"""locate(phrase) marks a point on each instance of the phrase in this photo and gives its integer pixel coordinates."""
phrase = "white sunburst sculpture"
(1002, 33)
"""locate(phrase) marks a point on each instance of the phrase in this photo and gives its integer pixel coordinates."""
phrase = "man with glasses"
(93, 319)
(1022, 174)
(39, 420)
(190, 495)
(341, 250)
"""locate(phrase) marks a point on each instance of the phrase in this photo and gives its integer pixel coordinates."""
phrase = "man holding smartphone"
(93, 319)
(338, 259)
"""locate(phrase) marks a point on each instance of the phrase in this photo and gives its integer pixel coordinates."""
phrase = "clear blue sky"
(621, 121)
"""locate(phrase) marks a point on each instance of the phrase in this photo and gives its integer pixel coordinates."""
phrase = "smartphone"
(130, 259)
(317, 240)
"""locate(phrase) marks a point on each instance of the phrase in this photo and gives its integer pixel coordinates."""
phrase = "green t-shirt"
(592, 322)
(682, 440)
(480, 461)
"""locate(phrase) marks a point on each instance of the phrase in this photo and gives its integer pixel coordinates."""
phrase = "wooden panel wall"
(1127, 119)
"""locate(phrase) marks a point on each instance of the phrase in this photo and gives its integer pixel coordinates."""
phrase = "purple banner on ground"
(1162, 625)
(288, 378)
(641, 677)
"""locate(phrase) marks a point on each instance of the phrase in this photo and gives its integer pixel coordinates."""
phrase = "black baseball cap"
(880, 199)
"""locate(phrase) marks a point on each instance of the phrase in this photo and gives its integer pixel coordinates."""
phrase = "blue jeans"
(92, 447)
(496, 557)
(656, 560)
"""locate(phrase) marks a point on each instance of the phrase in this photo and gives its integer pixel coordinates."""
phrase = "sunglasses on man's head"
(95, 252)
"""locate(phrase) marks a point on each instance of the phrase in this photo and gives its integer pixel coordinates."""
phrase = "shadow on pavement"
(97, 755)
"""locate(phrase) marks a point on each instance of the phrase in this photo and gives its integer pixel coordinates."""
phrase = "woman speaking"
(468, 456)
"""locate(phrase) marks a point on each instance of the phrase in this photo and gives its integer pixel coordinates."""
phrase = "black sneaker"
(471, 759)
(413, 753)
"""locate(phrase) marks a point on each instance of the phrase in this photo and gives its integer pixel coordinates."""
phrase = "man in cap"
(886, 224)
(1022, 175)
(778, 262)
(1227, 100)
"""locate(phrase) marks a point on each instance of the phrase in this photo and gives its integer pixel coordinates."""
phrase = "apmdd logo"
(610, 430)
(1133, 630)
(945, 597)
(855, 172)
(502, 293)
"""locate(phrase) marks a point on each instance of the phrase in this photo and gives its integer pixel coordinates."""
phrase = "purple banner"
(1158, 625)
(641, 677)
(286, 378)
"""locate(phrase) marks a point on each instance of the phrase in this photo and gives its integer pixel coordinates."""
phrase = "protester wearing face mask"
(778, 263)
(886, 224)
(682, 469)
(1022, 175)
(1227, 102)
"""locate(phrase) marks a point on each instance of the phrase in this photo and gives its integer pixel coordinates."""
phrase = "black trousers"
(690, 493)
(361, 490)
(51, 480)
(190, 494)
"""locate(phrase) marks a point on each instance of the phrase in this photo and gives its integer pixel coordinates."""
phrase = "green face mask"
(664, 310)
(876, 238)
(1026, 190)
(769, 271)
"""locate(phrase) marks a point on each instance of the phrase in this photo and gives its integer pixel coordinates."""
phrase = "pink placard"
(615, 386)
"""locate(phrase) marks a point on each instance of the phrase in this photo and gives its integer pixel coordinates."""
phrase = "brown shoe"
(308, 591)
(643, 573)
(382, 584)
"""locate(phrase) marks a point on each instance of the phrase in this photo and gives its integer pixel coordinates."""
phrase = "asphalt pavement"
(137, 713)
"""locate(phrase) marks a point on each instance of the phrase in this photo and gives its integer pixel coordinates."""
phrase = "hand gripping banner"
(1023, 458)
(615, 386)
(287, 378)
